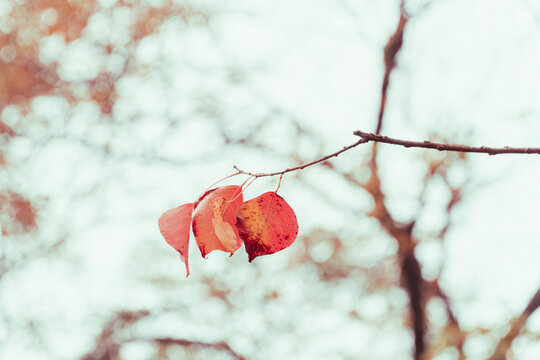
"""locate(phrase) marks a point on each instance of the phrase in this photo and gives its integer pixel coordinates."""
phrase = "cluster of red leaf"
(221, 220)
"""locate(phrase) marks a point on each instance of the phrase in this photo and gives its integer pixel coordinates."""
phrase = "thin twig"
(258, 175)
(446, 147)
(367, 137)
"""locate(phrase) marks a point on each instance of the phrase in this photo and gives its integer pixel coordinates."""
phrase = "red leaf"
(223, 230)
(174, 226)
(214, 219)
(267, 224)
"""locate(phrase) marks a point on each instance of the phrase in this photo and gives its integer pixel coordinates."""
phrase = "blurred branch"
(455, 336)
(108, 348)
(7, 265)
(105, 342)
(167, 341)
(411, 275)
(452, 334)
(532, 10)
(446, 147)
(111, 352)
(414, 283)
(517, 324)
(390, 52)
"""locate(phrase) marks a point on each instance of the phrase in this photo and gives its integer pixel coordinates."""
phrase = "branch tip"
(446, 147)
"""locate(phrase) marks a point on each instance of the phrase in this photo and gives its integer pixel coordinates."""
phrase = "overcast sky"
(468, 73)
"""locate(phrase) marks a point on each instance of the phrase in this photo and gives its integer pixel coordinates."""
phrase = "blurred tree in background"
(113, 111)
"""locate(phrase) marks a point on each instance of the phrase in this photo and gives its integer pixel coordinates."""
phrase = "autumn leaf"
(214, 220)
(224, 231)
(174, 226)
(266, 224)
(221, 220)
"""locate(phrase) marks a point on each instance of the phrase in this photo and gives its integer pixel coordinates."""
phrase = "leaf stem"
(279, 183)
(214, 184)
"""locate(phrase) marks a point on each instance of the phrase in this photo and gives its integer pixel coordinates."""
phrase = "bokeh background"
(113, 111)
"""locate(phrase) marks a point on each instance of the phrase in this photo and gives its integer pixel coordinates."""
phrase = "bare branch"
(414, 284)
(534, 303)
(517, 324)
(411, 277)
(112, 350)
(361, 141)
(390, 52)
(105, 346)
(367, 137)
(167, 341)
(456, 336)
(108, 346)
(446, 147)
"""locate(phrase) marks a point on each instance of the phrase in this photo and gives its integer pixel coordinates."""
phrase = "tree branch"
(112, 350)
(257, 175)
(108, 345)
(390, 52)
(411, 275)
(446, 147)
(167, 341)
(367, 137)
(517, 324)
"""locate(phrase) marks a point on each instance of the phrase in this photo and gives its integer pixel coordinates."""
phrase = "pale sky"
(468, 73)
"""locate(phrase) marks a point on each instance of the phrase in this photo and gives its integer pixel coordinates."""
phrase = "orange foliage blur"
(18, 209)
(23, 75)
